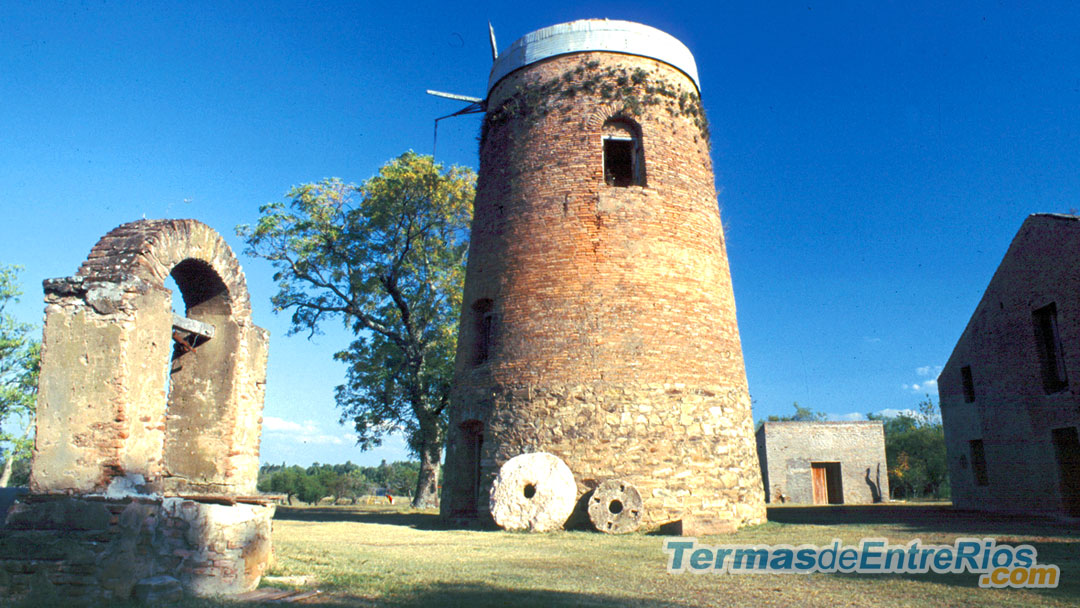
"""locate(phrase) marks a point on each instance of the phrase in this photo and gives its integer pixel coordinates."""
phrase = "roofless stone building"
(598, 321)
(148, 426)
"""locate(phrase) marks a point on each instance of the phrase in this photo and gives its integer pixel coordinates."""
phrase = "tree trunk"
(427, 482)
(6, 475)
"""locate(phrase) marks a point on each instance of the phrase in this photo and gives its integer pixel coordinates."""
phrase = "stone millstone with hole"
(534, 492)
(615, 507)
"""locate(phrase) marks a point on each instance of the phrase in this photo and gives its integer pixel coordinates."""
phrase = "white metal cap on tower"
(594, 35)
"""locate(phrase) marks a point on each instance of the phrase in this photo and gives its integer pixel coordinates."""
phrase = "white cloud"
(305, 432)
(891, 413)
(847, 417)
(926, 387)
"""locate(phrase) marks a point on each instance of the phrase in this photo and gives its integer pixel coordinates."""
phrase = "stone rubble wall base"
(99, 549)
(689, 451)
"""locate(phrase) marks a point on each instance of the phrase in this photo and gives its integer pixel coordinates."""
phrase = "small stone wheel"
(615, 507)
(533, 492)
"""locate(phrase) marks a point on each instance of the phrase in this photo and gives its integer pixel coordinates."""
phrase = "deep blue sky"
(873, 159)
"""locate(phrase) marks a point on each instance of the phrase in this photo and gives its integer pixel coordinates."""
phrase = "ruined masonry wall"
(57, 548)
(102, 365)
(104, 390)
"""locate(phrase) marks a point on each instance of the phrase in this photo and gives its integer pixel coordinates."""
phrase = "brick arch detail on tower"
(600, 114)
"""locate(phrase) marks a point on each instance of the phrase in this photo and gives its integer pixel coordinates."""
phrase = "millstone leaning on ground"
(534, 492)
(615, 507)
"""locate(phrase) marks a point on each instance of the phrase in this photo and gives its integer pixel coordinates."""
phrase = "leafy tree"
(352, 485)
(326, 478)
(311, 489)
(915, 452)
(287, 482)
(801, 414)
(387, 257)
(20, 360)
(400, 477)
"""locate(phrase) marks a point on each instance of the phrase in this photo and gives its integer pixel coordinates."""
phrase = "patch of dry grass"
(392, 556)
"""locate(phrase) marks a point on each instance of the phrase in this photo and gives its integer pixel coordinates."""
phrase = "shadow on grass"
(470, 595)
(411, 519)
(929, 518)
(477, 594)
(442, 594)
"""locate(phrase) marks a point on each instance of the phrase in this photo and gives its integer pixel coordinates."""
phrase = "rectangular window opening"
(1048, 344)
(619, 162)
(484, 330)
(484, 341)
(969, 384)
(978, 462)
(1067, 453)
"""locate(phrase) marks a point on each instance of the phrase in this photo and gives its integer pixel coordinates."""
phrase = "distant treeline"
(338, 481)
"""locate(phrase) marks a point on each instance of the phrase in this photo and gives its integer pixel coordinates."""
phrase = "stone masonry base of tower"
(684, 448)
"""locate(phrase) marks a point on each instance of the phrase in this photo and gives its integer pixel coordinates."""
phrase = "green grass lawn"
(381, 555)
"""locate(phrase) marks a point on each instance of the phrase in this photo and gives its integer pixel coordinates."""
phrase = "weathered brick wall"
(787, 449)
(1012, 413)
(63, 549)
(614, 339)
(107, 406)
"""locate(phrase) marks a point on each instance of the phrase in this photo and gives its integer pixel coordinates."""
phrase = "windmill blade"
(494, 48)
(455, 96)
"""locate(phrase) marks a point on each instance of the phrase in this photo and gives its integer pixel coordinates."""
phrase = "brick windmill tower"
(598, 321)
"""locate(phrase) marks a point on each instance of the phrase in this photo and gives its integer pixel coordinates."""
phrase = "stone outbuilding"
(1010, 392)
(598, 321)
(823, 462)
(148, 426)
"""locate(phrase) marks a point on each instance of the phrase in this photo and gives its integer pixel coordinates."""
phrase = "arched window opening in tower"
(484, 321)
(624, 155)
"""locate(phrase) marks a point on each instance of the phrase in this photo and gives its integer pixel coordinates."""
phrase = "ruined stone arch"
(151, 249)
(107, 405)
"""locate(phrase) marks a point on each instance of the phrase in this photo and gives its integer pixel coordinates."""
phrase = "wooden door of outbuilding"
(825, 477)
